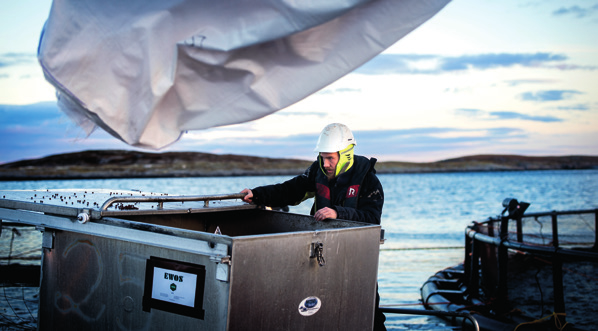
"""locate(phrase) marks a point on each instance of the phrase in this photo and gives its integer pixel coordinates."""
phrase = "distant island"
(134, 164)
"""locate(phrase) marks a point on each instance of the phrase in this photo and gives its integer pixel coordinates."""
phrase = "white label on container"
(174, 286)
(310, 306)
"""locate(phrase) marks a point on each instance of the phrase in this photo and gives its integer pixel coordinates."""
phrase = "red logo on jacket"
(352, 191)
(323, 191)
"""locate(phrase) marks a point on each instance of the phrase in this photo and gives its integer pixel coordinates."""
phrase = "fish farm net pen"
(15, 312)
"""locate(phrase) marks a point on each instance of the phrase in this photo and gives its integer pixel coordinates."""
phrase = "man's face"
(329, 161)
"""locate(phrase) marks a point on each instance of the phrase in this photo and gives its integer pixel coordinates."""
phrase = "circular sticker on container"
(310, 306)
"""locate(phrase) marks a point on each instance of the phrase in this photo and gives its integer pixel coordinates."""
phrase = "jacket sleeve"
(291, 192)
(369, 205)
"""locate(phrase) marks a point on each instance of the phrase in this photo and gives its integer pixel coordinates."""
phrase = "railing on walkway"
(465, 315)
(488, 245)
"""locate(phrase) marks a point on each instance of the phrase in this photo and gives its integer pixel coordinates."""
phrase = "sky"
(480, 77)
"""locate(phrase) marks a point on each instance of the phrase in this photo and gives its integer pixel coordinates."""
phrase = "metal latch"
(221, 259)
(225, 260)
(317, 251)
(222, 268)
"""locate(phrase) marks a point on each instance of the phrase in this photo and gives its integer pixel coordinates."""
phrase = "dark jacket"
(365, 207)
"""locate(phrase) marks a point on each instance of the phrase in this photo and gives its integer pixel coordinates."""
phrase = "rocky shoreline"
(134, 164)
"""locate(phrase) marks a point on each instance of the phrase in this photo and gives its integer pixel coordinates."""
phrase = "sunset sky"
(480, 77)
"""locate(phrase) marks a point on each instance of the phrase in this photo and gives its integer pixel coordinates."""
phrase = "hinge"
(317, 251)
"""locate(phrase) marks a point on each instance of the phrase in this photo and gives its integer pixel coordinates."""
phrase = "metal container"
(155, 262)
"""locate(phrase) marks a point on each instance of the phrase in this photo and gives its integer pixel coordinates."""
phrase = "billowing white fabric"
(146, 71)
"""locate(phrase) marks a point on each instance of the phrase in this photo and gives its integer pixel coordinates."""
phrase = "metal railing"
(160, 200)
(120, 205)
(485, 247)
(462, 314)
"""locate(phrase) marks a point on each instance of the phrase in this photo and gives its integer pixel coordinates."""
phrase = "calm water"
(424, 216)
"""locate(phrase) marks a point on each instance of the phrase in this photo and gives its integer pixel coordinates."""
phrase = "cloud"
(511, 115)
(383, 134)
(576, 11)
(503, 115)
(548, 95)
(434, 64)
(435, 132)
(582, 107)
(490, 61)
(41, 129)
(292, 146)
(12, 59)
(369, 142)
(494, 132)
(433, 139)
(517, 82)
(33, 116)
(468, 112)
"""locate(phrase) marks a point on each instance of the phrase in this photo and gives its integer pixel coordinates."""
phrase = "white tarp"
(147, 70)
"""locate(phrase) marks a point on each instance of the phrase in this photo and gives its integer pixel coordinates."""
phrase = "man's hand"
(248, 195)
(325, 213)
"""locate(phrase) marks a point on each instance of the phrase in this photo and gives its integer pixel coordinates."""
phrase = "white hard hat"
(335, 137)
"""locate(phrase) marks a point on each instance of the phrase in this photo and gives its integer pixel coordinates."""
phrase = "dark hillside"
(131, 164)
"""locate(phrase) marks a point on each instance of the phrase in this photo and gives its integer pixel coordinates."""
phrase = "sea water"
(424, 216)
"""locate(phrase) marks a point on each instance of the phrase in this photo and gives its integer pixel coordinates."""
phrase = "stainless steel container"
(157, 263)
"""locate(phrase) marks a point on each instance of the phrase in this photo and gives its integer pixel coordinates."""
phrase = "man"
(344, 185)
